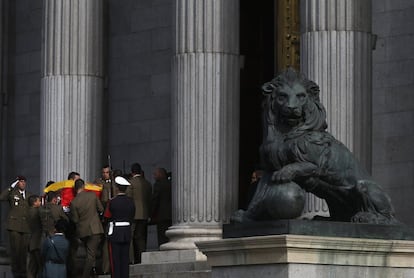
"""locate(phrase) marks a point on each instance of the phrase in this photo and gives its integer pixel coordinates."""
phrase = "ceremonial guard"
(106, 182)
(17, 224)
(120, 212)
(107, 193)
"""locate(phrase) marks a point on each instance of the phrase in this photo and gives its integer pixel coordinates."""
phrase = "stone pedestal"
(298, 256)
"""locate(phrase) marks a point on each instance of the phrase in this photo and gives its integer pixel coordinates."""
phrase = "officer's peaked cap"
(121, 181)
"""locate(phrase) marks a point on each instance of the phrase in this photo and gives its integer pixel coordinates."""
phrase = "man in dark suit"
(120, 212)
(161, 204)
(140, 191)
(85, 209)
(17, 224)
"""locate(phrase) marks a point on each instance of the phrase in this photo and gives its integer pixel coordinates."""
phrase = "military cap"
(121, 181)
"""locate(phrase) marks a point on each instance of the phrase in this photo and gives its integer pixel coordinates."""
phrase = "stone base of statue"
(311, 256)
(172, 263)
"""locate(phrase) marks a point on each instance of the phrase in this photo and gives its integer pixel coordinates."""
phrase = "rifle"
(110, 176)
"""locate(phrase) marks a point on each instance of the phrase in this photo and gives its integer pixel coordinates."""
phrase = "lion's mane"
(314, 115)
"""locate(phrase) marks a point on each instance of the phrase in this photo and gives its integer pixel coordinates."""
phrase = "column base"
(183, 237)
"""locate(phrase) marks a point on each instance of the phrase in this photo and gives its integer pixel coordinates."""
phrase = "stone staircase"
(171, 270)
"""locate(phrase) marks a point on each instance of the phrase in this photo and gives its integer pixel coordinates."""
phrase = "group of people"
(109, 217)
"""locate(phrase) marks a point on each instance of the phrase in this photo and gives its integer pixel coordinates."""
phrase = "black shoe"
(94, 272)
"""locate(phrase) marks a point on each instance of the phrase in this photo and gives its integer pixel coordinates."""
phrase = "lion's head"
(292, 103)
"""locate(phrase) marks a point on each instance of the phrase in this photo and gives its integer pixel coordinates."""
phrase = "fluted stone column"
(336, 45)
(71, 88)
(205, 122)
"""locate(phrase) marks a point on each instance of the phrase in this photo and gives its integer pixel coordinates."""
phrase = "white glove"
(13, 185)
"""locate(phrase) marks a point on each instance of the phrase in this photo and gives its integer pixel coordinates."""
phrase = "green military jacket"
(84, 211)
(107, 191)
(140, 191)
(17, 219)
(35, 226)
(49, 214)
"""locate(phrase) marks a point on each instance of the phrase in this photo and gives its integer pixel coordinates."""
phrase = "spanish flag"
(67, 192)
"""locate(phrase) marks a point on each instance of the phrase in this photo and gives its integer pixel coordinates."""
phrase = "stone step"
(181, 274)
(168, 267)
(177, 269)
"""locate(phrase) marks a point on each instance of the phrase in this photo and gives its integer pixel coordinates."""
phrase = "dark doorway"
(257, 32)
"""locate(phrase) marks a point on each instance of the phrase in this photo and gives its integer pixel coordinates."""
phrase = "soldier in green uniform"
(107, 194)
(140, 191)
(84, 211)
(17, 224)
(34, 265)
(50, 213)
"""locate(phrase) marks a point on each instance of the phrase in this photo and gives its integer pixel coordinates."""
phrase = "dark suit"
(84, 210)
(140, 191)
(120, 210)
(18, 227)
(161, 208)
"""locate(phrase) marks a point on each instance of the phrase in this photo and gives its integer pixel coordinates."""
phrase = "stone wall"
(24, 90)
(393, 102)
(139, 51)
(139, 66)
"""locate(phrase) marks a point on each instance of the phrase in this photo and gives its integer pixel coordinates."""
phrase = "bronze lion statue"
(299, 154)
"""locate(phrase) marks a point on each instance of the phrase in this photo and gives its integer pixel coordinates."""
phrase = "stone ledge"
(318, 228)
(172, 256)
(282, 249)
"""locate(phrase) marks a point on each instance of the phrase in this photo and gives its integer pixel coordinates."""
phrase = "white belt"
(120, 224)
(117, 224)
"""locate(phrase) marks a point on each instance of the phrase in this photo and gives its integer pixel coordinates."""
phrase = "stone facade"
(139, 83)
(393, 102)
(138, 51)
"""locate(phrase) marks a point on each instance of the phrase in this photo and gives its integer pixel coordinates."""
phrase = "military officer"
(120, 212)
(140, 191)
(34, 265)
(107, 193)
(17, 224)
(85, 209)
(106, 182)
(50, 213)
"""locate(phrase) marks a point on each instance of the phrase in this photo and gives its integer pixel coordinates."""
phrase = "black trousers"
(119, 259)
(162, 227)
